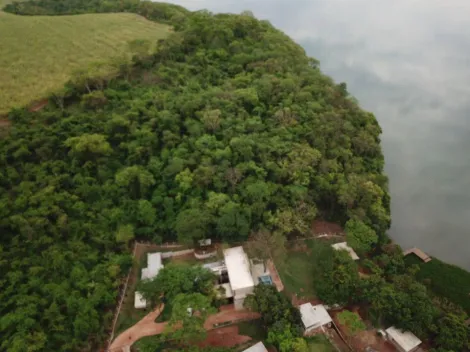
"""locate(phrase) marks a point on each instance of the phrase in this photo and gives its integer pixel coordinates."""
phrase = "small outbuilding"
(139, 301)
(314, 317)
(343, 246)
(259, 347)
(404, 341)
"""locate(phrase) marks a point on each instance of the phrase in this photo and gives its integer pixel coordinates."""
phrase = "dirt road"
(148, 327)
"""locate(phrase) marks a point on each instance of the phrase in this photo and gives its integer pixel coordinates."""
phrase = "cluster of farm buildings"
(237, 277)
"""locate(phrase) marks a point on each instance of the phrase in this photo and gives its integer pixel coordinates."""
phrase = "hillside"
(229, 128)
(39, 53)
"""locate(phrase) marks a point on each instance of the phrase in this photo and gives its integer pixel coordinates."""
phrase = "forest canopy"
(228, 128)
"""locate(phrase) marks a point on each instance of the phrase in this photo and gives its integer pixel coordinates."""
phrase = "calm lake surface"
(409, 63)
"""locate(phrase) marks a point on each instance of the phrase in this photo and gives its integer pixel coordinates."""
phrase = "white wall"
(239, 296)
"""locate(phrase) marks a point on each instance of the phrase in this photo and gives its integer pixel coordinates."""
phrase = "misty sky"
(407, 61)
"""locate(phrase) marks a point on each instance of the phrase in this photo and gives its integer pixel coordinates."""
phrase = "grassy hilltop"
(39, 53)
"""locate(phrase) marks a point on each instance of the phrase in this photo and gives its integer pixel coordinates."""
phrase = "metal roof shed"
(139, 301)
(154, 265)
(259, 347)
(343, 246)
(314, 317)
(405, 341)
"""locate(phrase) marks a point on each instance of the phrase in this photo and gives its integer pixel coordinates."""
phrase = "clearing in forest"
(39, 53)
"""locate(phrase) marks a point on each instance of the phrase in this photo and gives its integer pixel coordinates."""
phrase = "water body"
(407, 61)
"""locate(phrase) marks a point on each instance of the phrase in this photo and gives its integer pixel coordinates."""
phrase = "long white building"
(154, 265)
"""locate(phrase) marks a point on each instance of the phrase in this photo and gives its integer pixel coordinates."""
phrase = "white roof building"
(239, 275)
(314, 317)
(139, 301)
(343, 246)
(405, 341)
(238, 268)
(154, 265)
(216, 267)
(259, 347)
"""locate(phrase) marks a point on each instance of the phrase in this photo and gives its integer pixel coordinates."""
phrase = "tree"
(337, 276)
(274, 307)
(89, 146)
(192, 224)
(233, 221)
(188, 314)
(391, 260)
(264, 245)
(404, 303)
(360, 236)
(287, 341)
(175, 279)
(453, 333)
(125, 233)
(136, 179)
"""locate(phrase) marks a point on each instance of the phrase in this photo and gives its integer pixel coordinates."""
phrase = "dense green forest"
(155, 11)
(226, 129)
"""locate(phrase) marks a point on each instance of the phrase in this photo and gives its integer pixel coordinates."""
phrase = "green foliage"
(446, 280)
(275, 308)
(287, 341)
(405, 303)
(391, 260)
(264, 245)
(125, 233)
(319, 343)
(188, 314)
(173, 280)
(352, 321)
(155, 11)
(158, 156)
(453, 333)
(89, 145)
(336, 277)
(360, 236)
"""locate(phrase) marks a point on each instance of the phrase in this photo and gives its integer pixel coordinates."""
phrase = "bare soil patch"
(225, 337)
(321, 227)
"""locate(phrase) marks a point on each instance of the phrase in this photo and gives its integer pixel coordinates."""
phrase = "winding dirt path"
(147, 326)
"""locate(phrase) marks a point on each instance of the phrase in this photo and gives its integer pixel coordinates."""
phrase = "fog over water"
(407, 61)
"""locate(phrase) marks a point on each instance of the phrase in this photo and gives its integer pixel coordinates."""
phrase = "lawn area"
(444, 280)
(296, 273)
(39, 53)
(319, 343)
(296, 270)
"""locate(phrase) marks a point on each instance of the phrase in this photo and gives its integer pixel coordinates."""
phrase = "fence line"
(121, 300)
(177, 253)
(123, 291)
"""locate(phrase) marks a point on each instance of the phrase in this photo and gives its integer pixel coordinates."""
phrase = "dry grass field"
(39, 53)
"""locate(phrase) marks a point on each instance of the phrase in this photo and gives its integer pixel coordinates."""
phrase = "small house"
(343, 246)
(314, 317)
(404, 341)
